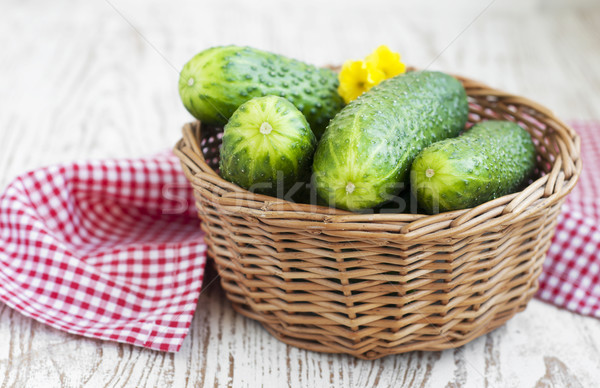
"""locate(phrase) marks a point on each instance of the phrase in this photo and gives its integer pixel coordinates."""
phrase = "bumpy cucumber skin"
(490, 160)
(215, 82)
(372, 142)
(259, 162)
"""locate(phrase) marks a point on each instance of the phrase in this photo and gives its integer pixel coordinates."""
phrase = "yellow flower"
(387, 61)
(356, 77)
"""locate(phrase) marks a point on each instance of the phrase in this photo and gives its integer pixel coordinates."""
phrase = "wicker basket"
(371, 285)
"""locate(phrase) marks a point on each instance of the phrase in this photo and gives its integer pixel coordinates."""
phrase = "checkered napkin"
(111, 249)
(571, 275)
(106, 249)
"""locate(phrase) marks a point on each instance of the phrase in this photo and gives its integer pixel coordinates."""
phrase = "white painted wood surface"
(99, 79)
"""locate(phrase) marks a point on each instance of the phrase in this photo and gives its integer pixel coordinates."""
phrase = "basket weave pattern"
(376, 284)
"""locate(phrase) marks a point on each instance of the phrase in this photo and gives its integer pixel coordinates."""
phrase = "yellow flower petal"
(387, 61)
(356, 77)
(375, 75)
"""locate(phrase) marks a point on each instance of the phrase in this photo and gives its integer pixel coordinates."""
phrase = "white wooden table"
(99, 79)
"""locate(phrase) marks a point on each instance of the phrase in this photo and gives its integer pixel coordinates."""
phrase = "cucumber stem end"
(265, 128)
(350, 188)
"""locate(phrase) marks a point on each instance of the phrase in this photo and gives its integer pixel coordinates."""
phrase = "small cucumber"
(490, 160)
(215, 82)
(267, 146)
(364, 156)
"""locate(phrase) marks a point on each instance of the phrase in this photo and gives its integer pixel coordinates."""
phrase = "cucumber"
(364, 156)
(490, 160)
(267, 146)
(215, 82)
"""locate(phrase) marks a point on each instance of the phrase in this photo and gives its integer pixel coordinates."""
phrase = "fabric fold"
(108, 249)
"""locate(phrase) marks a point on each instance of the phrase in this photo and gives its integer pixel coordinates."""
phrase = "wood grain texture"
(98, 79)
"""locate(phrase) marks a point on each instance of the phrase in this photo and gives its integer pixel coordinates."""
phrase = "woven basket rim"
(541, 193)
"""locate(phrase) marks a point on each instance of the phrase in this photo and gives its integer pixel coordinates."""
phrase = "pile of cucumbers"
(288, 134)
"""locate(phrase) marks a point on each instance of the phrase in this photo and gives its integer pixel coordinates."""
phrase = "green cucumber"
(215, 82)
(490, 160)
(364, 156)
(267, 146)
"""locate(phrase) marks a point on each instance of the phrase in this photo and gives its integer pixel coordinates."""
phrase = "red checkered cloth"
(111, 249)
(571, 276)
(106, 249)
